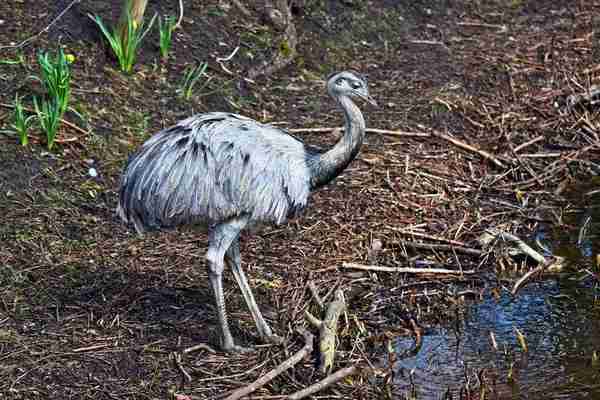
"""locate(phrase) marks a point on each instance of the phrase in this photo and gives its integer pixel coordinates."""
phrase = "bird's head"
(349, 83)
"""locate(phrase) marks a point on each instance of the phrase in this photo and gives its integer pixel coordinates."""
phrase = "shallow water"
(560, 318)
(561, 322)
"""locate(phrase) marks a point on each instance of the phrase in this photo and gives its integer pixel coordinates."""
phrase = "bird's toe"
(273, 339)
(234, 348)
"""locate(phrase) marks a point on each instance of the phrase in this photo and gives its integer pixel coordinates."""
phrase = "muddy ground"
(90, 310)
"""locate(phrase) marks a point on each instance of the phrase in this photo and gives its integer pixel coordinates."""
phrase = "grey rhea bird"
(227, 172)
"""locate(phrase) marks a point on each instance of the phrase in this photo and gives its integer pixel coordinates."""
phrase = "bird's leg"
(220, 238)
(235, 262)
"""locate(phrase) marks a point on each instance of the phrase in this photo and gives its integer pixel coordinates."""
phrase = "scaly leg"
(220, 238)
(235, 262)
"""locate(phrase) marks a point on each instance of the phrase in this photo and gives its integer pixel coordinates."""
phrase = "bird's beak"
(369, 99)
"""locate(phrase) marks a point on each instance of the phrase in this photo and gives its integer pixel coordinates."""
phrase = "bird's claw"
(234, 348)
(273, 339)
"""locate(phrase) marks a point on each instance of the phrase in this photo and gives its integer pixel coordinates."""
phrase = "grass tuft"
(125, 47)
(56, 78)
(165, 30)
(191, 76)
(21, 122)
(48, 115)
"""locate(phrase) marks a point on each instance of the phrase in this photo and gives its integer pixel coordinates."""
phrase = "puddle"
(561, 321)
(559, 317)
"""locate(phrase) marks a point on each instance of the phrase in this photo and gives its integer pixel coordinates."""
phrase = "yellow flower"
(70, 58)
(134, 24)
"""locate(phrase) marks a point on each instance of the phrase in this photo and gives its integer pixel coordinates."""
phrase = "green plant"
(165, 30)
(21, 122)
(190, 78)
(56, 78)
(125, 46)
(49, 115)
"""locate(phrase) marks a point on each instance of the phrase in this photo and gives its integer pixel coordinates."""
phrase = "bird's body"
(212, 167)
(227, 172)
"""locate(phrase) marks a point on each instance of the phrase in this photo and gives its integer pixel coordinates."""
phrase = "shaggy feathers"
(211, 167)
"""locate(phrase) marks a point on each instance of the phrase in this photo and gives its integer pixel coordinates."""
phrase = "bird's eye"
(356, 85)
(339, 81)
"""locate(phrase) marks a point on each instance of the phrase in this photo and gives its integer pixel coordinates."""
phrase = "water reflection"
(561, 321)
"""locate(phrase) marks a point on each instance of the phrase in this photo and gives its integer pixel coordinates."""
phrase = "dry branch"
(180, 367)
(522, 248)
(406, 270)
(324, 383)
(525, 278)
(443, 247)
(328, 330)
(180, 19)
(528, 143)
(284, 366)
(90, 348)
(427, 236)
(315, 294)
(197, 347)
(368, 130)
(32, 38)
(468, 147)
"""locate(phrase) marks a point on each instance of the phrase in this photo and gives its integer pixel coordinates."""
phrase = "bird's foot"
(234, 348)
(273, 339)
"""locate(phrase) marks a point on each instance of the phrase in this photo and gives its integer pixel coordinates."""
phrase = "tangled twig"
(32, 38)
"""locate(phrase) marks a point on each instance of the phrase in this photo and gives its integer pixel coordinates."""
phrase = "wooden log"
(328, 330)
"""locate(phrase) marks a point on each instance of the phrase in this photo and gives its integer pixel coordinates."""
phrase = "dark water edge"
(561, 322)
(559, 317)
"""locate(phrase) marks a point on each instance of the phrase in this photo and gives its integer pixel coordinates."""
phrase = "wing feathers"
(210, 168)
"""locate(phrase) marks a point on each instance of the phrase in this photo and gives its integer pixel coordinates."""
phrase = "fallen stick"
(443, 247)
(178, 24)
(528, 143)
(180, 367)
(30, 39)
(89, 348)
(406, 270)
(500, 28)
(553, 263)
(322, 384)
(197, 347)
(521, 282)
(315, 294)
(427, 236)
(431, 42)
(522, 247)
(468, 147)
(284, 366)
(328, 330)
(368, 130)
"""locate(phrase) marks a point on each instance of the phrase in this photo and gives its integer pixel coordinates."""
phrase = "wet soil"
(90, 310)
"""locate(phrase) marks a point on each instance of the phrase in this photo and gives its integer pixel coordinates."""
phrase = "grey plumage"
(227, 171)
(211, 167)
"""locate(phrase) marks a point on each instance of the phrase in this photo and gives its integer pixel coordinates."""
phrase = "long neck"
(328, 165)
